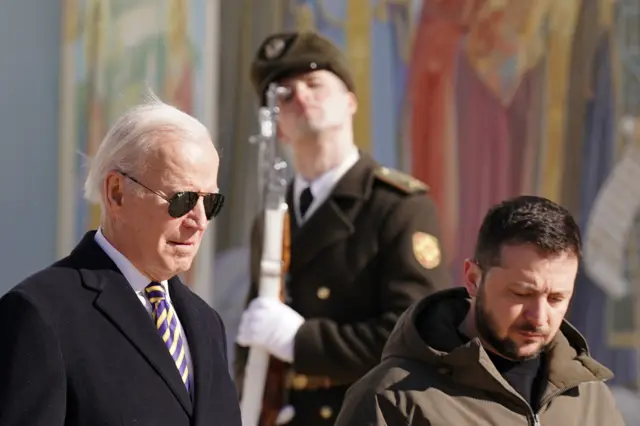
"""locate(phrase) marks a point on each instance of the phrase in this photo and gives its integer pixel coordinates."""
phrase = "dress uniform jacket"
(78, 348)
(366, 254)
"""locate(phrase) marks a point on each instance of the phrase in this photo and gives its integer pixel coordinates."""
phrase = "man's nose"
(197, 217)
(536, 312)
(301, 93)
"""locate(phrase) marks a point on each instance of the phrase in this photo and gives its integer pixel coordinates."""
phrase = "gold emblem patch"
(274, 48)
(426, 249)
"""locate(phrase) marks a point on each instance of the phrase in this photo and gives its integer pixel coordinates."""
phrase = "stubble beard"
(486, 327)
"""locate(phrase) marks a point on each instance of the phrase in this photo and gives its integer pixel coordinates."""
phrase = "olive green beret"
(288, 53)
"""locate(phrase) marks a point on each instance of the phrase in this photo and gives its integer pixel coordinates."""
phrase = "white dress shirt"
(138, 283)
(322, 186)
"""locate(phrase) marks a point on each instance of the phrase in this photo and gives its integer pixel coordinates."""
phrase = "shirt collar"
(323, 184)
(136, 279)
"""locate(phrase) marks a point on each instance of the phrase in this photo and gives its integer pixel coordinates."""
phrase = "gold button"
(323, 293)
(326, 412)
(300, 381)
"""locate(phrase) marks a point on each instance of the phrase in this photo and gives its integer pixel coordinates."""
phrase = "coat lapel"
(200, 340)
(117, 301)
(334, 220)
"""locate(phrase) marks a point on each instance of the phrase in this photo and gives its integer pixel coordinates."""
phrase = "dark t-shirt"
(526, 377)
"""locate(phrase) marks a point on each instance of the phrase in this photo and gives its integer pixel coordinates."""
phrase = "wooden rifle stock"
(275, 386)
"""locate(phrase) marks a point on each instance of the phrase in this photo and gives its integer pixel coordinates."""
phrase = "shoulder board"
(400, 180)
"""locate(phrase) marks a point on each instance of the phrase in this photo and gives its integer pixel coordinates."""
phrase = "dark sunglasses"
(183, 202)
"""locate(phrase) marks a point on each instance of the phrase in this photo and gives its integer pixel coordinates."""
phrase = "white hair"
(132, 136)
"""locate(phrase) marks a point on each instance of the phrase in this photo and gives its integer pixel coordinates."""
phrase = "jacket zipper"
(536, 416)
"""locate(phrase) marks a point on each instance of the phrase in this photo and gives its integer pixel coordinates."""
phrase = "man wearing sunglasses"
(110, 335)
(364, 238)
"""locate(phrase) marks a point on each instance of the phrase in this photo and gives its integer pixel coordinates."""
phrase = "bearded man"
(497, 351)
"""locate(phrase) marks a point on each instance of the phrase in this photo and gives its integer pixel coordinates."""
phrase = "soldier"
(364, 238)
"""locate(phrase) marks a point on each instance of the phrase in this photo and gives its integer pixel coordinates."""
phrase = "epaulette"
(400, 180)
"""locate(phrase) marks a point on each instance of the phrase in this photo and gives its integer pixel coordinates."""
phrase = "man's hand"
(270, 324)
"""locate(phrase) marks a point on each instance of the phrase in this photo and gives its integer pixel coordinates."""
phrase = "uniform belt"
(297, 381)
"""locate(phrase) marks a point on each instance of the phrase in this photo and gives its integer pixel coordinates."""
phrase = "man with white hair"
(109, 335)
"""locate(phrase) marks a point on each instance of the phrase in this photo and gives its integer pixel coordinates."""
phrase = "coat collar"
(116, 300)
(334, 220)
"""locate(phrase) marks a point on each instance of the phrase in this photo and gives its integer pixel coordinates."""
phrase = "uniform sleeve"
(409, 267)
(32, 374)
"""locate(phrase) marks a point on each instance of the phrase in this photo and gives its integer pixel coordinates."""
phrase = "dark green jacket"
(428, 376)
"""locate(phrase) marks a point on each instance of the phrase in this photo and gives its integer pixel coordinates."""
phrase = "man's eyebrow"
(521, 285)
(530, 287)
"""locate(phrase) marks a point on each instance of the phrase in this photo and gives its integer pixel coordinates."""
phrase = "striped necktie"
(165, 319)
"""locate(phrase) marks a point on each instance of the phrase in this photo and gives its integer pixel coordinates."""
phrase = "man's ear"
(114, 191)
(472, 277)
(353, 103)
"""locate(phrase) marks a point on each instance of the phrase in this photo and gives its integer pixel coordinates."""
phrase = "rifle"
(263, 386)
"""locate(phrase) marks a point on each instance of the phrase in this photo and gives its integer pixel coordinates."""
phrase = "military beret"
(288, 53)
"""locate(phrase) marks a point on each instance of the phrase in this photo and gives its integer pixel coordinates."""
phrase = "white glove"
(270, 324)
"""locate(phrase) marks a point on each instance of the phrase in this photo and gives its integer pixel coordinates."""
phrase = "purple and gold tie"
(167, 324)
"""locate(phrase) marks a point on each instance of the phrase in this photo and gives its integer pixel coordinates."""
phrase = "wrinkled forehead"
(528, 267)
(185, 165)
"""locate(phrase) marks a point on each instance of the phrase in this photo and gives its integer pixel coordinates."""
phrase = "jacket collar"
(334, 220)
(427, 333)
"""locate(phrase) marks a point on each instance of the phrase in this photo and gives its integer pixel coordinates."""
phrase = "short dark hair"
(527, 219)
